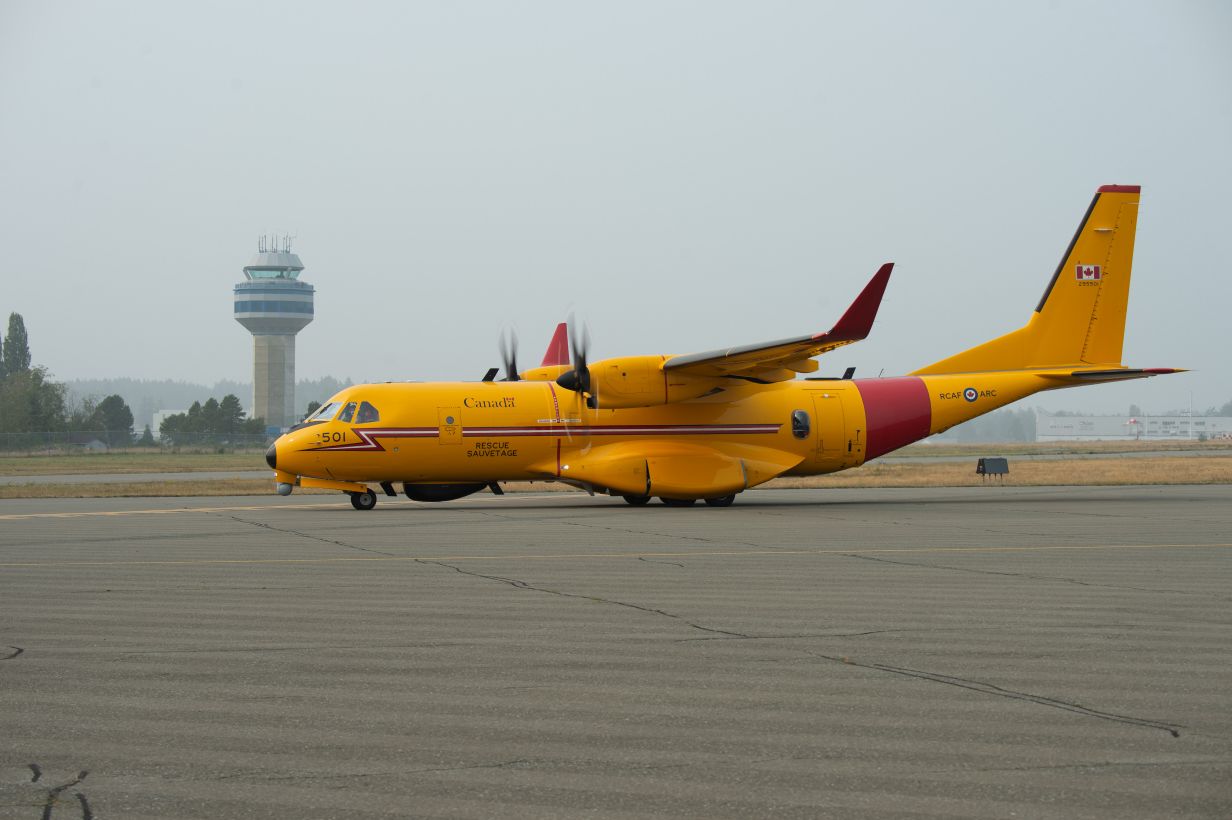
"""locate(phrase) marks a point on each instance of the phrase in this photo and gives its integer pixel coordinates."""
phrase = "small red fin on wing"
(558, 348)
(858, 320)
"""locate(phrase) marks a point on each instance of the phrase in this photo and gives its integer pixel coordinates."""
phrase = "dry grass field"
(135, 461)
(158, 461)
(149, 489)
(1215, 468)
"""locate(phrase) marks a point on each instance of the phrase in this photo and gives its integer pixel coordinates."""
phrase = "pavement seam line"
(611, 556)
(999, 691)
(513, 582)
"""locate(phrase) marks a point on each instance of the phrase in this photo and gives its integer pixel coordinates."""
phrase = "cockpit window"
(367, 413)
(325, 413)
(799, 424)
(348, 412)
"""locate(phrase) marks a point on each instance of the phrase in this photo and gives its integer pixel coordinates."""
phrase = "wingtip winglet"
(857, 322)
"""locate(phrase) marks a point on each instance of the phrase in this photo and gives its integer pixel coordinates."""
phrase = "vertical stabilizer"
(1080, 320)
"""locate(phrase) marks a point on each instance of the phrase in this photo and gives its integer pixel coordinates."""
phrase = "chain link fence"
(69, 441)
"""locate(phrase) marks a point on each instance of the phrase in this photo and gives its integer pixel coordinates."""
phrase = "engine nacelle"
(641, 381)
(545, 373)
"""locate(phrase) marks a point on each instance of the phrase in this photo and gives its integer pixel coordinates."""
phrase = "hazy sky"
(682, 175)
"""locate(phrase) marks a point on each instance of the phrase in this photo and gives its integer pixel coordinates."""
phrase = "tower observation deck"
(274, 305)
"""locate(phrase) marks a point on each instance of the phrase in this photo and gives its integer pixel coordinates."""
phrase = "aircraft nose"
(271, 456)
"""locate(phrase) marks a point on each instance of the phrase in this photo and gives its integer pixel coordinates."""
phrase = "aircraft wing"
(781, 360)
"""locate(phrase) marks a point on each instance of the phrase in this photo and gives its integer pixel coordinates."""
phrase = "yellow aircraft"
(711, 425)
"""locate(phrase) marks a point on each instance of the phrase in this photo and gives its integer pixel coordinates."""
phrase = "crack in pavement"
(1106, 764)
(1028, 575)
(362, 775)
(806, 635)
(36, 772)
(53, 794)
(311, 537)
(628, 531)
(316, 647)
(652, 561)
(17, 650)
(699, 539)
(904, 630)
(513, 582)
(993, 689)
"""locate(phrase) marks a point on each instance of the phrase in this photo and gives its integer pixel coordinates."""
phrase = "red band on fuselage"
(897, 411)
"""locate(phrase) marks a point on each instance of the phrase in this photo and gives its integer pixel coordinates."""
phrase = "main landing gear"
(363, 501)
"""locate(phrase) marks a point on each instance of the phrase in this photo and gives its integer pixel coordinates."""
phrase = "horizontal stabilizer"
(1122, 374)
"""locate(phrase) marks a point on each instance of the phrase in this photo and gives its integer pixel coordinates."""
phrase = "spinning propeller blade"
(509, 355)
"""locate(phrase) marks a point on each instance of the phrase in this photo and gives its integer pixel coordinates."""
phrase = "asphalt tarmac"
(991, 652)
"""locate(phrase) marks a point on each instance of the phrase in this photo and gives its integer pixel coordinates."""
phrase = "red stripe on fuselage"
(898, 412)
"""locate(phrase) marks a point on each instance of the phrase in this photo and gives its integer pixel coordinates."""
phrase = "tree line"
(213, 418)
(32, 402)
(29, 400)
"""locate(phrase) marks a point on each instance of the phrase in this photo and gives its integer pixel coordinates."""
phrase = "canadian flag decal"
(1088, 273)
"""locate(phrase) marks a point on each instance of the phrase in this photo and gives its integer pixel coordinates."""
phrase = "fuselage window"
(367, 413)
(799, 424)
(325, 413)
(348, 412)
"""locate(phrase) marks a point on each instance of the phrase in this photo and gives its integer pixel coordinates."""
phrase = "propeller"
(508, 346)
(578, 379)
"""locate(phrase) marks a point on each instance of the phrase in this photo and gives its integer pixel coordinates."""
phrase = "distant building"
(1050, 427)
(274, 305)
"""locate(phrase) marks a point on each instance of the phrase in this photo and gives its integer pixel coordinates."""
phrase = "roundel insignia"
(971, 394)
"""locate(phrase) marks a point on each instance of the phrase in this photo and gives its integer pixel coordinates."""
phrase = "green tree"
(313, 406)
(171, 426)
(214, 418)
(147, 438)
(16, 346)
(82, 418)
(2, 370)
(30, 402)
(114, 416)
(1135, 411)
(193, 422)
(230, 414)
(210, 416)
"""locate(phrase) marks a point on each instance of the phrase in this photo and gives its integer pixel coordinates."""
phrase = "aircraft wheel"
(679, 502)
(637, 500)
(721, 501)
(363, 501)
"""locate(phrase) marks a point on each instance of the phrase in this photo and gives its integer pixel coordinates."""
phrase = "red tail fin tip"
(558, 348)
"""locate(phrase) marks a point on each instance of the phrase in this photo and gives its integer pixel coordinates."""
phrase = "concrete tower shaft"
(274, 305)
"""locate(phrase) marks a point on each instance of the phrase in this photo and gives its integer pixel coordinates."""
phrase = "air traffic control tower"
(274, 305)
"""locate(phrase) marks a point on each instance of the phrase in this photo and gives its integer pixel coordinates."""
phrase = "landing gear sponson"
(366, 500)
